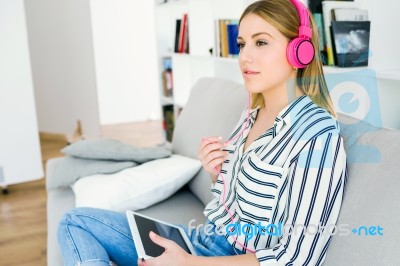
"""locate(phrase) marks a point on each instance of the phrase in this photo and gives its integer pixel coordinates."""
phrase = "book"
(315, 6)
(226, 33)
(223, 37)
(168, 122)
(186, 38)
(232, 30)
(351, 42)
(177, 34)
(350, 14)
(183, 34)
(327, 7)
(321, 37)
(167, 83)
(167, 77)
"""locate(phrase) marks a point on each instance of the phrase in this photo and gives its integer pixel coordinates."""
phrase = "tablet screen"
(146, 225)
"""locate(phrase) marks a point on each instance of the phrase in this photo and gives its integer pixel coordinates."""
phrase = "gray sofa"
(372, 194)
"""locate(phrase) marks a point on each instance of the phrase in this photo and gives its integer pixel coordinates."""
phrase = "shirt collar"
(289, 114)
(253, 113)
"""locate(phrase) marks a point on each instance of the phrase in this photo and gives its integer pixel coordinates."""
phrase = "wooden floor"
(23, 211)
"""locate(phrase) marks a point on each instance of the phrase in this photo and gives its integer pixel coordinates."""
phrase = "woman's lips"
(250, 73)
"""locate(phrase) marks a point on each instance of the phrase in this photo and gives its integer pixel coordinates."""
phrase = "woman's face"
(262, 56)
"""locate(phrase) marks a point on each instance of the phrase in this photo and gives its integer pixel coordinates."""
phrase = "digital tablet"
(141, 226)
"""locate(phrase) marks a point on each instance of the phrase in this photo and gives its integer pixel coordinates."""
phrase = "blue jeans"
(89, 236)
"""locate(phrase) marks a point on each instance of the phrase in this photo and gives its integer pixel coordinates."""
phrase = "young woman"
(285, 165)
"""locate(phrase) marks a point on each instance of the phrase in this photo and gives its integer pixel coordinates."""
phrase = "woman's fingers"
(208, 141)
(212, 155)
(210, 147)
(215, 165)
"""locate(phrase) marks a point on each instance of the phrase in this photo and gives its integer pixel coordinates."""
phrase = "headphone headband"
(300, 51)
(304, 29)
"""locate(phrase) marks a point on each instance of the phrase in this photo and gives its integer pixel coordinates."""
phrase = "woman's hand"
(211, 156)
(173, 254)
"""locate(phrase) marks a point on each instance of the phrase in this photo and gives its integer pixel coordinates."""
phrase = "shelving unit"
(188, 68)
(200, 62)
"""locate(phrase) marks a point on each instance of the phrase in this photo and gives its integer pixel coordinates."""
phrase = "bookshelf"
(200, 62)
(187, 68)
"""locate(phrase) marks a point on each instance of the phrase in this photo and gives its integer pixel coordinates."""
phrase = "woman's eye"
(261, 43)
(240, 45)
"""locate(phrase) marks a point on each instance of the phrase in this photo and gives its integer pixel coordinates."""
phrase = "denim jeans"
(89, 236)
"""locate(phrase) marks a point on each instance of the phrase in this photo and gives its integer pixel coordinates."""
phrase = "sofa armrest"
(52, 181)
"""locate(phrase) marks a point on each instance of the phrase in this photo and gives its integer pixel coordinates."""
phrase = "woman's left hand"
(173, 254)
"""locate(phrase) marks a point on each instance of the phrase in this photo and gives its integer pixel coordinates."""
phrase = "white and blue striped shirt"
(293, 174)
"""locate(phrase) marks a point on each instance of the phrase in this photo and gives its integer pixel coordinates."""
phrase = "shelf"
(380, 74)
(335, 69)
(389, 74)
(166, 55)
(227, 59)
(210, 57)
(167, 100)
(173, 2)
(181, 55)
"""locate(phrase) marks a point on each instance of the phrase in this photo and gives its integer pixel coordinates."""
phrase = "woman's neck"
(277, 99)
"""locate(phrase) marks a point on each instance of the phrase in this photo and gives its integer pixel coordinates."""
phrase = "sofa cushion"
(70, 168)
(110, 149)
(371, 197)
(136, 187)
(204, 115)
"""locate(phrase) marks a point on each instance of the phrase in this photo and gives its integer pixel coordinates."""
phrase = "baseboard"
(53, 137)
(76, 136)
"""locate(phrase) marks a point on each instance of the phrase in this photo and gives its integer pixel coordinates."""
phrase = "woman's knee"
(71, 218)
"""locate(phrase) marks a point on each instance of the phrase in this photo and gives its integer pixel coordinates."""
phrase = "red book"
(182, 34)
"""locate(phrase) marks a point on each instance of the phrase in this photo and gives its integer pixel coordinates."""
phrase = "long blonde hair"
(283, 15)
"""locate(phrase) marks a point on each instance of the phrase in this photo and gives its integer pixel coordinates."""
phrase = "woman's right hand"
(212, 156)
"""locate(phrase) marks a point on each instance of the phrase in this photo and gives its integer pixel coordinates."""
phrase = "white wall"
(63, 65)
(384, 37)
(389, 97)
(126, 60)
(20, 155)
(384, 40)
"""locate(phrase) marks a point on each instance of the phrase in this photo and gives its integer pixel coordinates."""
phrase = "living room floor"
(23, 225)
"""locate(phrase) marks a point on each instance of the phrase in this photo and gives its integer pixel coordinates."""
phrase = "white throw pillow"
(136, 187)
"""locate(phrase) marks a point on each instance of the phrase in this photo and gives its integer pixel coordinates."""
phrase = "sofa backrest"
(213, 108)
(371, 197)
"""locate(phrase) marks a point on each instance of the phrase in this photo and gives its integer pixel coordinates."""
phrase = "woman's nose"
(245, 55)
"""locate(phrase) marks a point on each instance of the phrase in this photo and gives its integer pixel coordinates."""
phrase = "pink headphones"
(300, 51)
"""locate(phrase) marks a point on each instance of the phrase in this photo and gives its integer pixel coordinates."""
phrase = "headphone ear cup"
(300, 52)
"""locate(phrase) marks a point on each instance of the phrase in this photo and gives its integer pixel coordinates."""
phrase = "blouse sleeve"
(317, 179)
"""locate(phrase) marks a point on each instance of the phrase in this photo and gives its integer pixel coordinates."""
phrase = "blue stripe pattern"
(294, 174)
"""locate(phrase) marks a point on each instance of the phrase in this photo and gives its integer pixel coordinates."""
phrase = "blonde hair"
(283, 15)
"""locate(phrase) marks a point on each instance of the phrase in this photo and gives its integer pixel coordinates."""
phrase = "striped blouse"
(293, 175)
